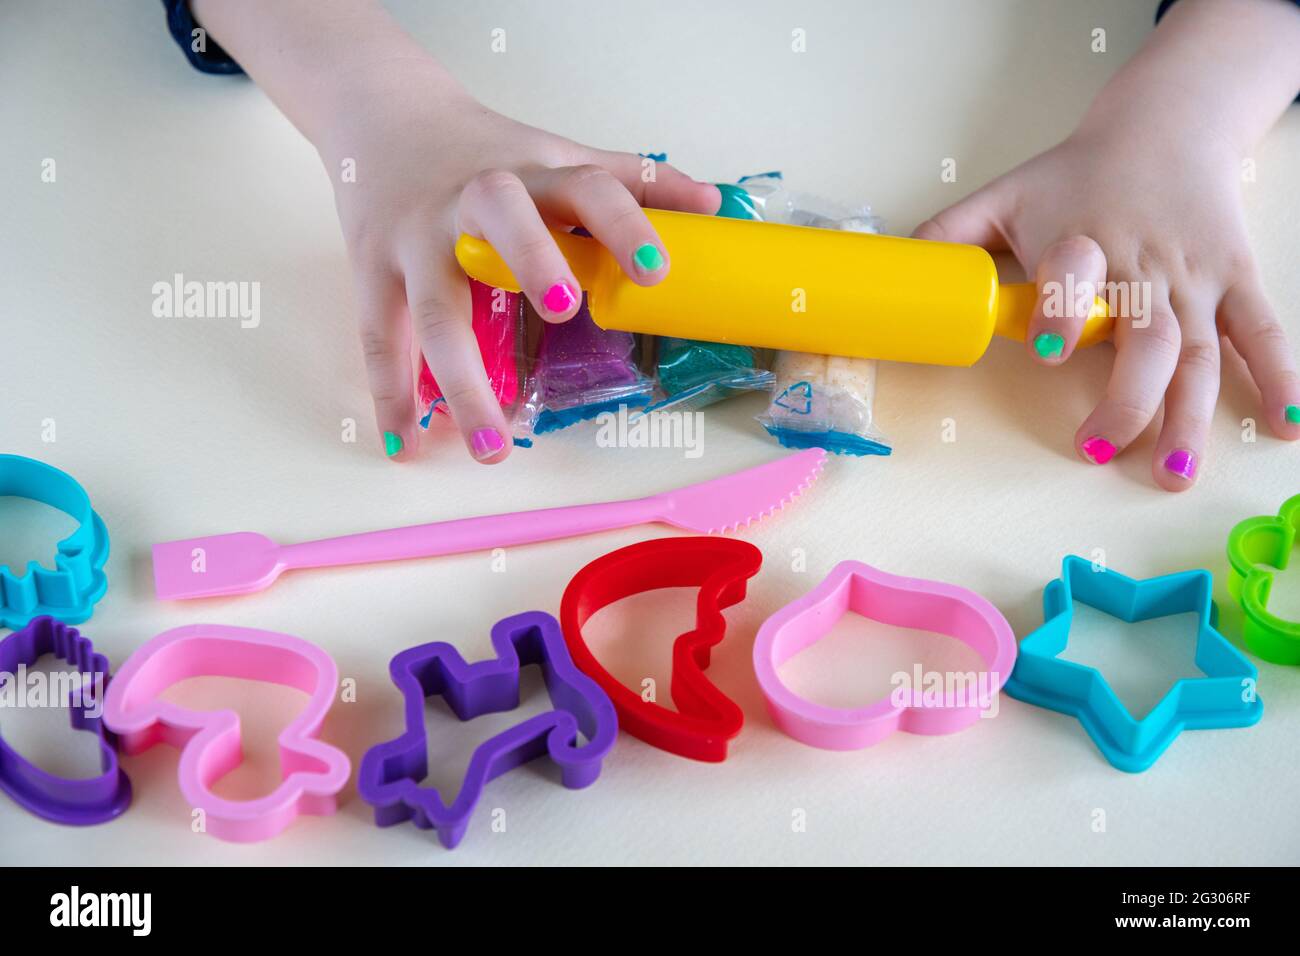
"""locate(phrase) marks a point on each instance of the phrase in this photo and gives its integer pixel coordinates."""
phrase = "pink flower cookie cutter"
(312, 771)
(888, 599)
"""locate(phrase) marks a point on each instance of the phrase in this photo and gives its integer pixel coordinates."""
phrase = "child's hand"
(415, 161)
(429, 168)
(1146, 193)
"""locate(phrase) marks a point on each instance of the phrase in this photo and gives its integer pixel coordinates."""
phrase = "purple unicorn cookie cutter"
(391, 772)
(72, 801)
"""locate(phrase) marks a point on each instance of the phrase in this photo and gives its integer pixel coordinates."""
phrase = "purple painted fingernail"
(1182, 463)
(486, 442)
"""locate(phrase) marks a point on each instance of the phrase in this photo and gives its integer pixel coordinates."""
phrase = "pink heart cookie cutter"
(888, 599)
(312, 771)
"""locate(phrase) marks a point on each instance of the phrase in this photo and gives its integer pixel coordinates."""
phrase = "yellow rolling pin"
(800, 288)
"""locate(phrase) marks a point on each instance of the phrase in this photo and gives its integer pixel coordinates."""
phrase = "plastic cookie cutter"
(705, 719)
(312, 772)
(391, 772)
(1224, 697)
(74, 801)
(70, 591)
(889, 599)
(1265, 540)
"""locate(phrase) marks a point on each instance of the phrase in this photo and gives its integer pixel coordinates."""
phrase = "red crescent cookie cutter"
(705, 719)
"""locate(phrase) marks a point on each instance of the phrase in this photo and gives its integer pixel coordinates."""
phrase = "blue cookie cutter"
(1224, 697)
(391, 772)
(72, 801)
(68, 593)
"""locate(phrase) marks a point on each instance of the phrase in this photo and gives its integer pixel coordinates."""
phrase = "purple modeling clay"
(578, 357)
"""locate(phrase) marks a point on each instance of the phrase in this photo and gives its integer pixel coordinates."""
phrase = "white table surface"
(185, 427)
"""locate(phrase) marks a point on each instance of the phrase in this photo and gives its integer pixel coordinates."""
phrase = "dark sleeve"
(213, 59)
(1166, 4)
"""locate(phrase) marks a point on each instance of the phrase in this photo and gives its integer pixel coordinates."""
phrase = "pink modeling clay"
(497, 321)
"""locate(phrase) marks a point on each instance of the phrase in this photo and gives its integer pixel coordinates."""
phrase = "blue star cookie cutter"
(391, 772)
(1224, 697)
(70, 591)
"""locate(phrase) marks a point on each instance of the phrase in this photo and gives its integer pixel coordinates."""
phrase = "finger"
(1068, 275)
(1254, 332)
(1146, 354)
(659, 185)
(437, 294)
(386, 344)
(1190, 399)
(977, 220)
(496, 206)
(592, 197)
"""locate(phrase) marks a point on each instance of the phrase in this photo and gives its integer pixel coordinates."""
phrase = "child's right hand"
(430, 164)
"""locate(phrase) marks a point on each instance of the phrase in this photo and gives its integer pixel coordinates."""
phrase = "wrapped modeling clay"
(691, 373)
(498, 325)
(823, 401)
(580, 371)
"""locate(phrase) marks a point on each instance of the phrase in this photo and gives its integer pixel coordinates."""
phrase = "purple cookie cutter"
(73, 801)
(390, 775)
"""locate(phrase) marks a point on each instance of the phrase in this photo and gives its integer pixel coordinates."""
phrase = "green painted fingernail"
(392, 443)
(1293, 414)
(1048, 344)
(648, 258)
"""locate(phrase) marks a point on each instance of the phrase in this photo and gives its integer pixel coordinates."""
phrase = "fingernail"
(1048, 344)
(1098, 449)
(486, 442)
(1293, 414)
(392, 443)
(648, 258)
(559, 298)
(1182, 463)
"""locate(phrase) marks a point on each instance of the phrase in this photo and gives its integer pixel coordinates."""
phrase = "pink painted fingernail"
(559, 298)
(1182, 463)
(1098, 450)
(486, 442)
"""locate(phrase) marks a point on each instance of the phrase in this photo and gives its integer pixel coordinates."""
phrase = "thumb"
(976, 220)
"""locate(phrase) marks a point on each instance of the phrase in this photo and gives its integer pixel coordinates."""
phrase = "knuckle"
(1202, 357)
(460, 391)
(493, 183)
(432, 318)
(1130, 413)
(1270, 334)
(1162, 336)
(533, 252)
(630, 215)
(1078, 247)
(931, 229)
(586, 175)
(377, 343)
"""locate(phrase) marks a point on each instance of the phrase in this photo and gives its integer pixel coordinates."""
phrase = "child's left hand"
(1147, 193)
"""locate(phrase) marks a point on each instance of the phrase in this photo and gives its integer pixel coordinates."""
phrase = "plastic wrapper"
(498, 321)
(823, 401)
(580, 370)
(691, 373)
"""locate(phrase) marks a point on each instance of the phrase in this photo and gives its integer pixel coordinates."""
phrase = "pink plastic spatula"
(244, 561)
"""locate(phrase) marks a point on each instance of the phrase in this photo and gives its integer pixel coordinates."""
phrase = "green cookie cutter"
(1268, 540)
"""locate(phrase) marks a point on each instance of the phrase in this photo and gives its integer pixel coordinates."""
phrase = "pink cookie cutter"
(888, 599)
(312, 772)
